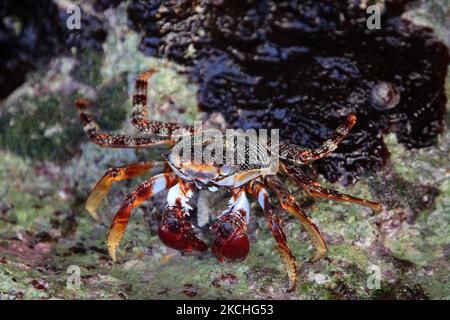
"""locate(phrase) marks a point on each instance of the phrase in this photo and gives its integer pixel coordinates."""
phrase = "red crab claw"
(231, 243)
(177, 233)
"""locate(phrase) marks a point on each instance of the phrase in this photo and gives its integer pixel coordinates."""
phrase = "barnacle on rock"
(385, 96)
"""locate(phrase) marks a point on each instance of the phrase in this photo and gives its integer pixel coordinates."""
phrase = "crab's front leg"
(144, 191)
(260, 194)
(174, 231)
(115, 174)
(231, 243)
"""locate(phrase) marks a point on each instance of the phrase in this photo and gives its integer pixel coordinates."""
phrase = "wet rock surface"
(31, 37)
(302, 66)
(48, 241)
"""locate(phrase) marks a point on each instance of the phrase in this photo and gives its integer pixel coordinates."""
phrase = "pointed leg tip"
(318, 256)
(81, 103)
(112, 253)
(147, 74)
(112, 242)
(291, 287)
(293, 279)
(93, 213)
(377, 208)
(351, 118)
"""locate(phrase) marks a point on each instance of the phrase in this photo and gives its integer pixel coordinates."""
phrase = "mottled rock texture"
(48, 166)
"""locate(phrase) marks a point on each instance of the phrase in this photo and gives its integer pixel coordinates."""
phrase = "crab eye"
(226, 170)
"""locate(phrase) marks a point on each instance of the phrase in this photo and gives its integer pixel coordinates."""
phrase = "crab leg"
(174, 231)
(316, 190)
(288, 203)
(140, 112)
(260, 194)
(232, 242)
(114, 174)
(144, 191)
(300, 155)
(93, 132)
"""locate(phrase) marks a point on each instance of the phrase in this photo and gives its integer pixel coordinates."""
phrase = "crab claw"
(231, 243)
(177, 233)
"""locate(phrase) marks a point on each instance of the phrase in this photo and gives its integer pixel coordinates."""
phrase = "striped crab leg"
(140, 112)
(260, 194)
(288, 203)
(93, 132)
(316, 190)
(300, 155)
(144, 191)
(114, 174)
(174, 231)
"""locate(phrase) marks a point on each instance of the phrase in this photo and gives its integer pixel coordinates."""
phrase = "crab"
(181, 176)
